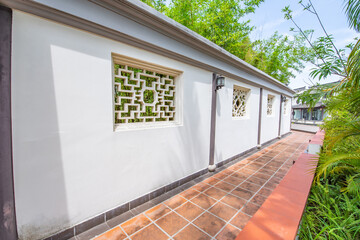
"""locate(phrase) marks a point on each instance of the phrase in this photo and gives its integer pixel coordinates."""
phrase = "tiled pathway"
(219, 206)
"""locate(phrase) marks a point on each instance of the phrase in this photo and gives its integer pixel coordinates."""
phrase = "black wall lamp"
(283, 98)
(220, 81)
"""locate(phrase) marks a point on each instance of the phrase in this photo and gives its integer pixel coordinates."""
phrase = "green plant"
(331, 214)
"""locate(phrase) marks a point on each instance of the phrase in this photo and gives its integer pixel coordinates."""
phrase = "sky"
(268, 18)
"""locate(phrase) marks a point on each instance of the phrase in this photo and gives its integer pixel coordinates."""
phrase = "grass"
(331, 214)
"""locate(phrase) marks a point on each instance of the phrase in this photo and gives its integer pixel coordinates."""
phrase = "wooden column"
(260, 116)
(7, 204)
(212, 124)
(280, 113)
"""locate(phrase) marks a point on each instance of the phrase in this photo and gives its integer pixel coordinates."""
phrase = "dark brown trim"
(291, 112)
(8, 229)
(280, 114)
(260, 116)
(213, 121)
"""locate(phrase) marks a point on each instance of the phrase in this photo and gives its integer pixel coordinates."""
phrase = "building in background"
(301, 113)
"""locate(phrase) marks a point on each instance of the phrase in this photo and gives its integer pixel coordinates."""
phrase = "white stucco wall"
(69, 164)
(119, 22)
(235, 135)
(286, 118)
(270, 123)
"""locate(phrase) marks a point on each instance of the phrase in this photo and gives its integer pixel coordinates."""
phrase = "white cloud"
(274, 24)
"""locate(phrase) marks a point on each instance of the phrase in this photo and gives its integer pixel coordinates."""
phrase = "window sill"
(145, 126)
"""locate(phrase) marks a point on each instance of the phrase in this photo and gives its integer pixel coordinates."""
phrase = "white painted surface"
(235, 135)
(270, 123)
(119, 22)
(69, 164)
(286, 118)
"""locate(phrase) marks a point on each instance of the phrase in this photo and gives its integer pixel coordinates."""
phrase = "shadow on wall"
(39, 177)
(194, 135)
(41, 186)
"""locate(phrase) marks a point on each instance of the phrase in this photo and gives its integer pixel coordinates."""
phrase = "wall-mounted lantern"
(220, 81)
(283, 98)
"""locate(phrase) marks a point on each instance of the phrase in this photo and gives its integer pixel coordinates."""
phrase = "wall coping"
(149, 17)
(280, 215)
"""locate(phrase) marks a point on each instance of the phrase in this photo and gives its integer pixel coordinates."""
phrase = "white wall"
(235, 135)
(270, 123)
(286, 118)
(69, 164)
(90, 11)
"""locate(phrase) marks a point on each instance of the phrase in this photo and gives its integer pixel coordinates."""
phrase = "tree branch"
(322, 26)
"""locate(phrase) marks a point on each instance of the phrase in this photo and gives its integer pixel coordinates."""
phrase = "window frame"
(148, 66)
(247, 102)
(272, 105)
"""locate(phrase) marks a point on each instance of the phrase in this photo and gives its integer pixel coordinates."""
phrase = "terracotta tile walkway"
(219, 206)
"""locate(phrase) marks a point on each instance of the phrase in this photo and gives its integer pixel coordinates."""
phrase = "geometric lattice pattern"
(240, 96)
(270, 101)
(143, 96)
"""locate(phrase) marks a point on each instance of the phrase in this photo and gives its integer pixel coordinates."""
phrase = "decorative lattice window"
(285, 106)
(144, 93)
(240, 97)
(270, 102)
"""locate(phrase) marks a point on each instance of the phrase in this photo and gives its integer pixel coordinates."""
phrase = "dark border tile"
(157, 193)
(99, 229)
(171, 186)
(117, 211)
(69, 233)
(138, 201)
(120, 219)
(82, 227)
(142, 207)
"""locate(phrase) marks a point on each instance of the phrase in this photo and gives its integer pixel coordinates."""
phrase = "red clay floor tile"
(233, 201)
(201, 186)
(171, 223)
(234, 180)
(175, 201)
(151, 232)
(228, 233)
(157, 212)
(223, 211)
(209, 223)
(224, 186)
(135, 224)
(240, 220)
(113, 234)
(250, 186)
(189, 211)
(250, 208)
(215, 193)
(258, 199)
(191, 233)
(265, 192)
(203, 201)
(189, 193)
(243, 193)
